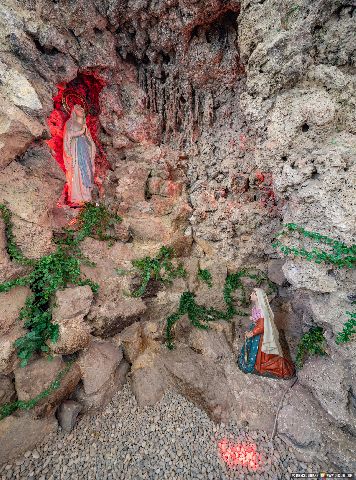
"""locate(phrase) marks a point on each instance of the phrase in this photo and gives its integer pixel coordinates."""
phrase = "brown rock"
(20, 433)
(7, 390)
(74, 335)
(149, 380)
(309, 430)
(98, 364)
(8, 357)
(11, 303)
(111, 315)
(71, 305)
(210, 343)
(202, 381)
(38, 376)
(132, 342)
(100, 398)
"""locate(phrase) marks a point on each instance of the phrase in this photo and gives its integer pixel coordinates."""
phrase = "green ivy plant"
(311, 343)
(339, 254)
(51, 273)
(200, 316)
(158, 268)
(349, 329)
(205, 276)
(9, 408)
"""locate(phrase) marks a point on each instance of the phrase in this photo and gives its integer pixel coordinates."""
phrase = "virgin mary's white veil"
(270, 344)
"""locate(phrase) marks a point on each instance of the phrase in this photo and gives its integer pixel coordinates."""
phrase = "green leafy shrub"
(158, 268)
(349, 330)
(51, 273)
(205, 276)
(9, 408)
(311, 343)
(339, 254)
(200, 316)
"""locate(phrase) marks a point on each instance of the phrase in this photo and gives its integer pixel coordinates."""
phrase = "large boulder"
(20, 433)
(306, 427)
(38, 375)
(330, 387)
(202, 381)
(92, 402)
(98, 364)
(71, 306)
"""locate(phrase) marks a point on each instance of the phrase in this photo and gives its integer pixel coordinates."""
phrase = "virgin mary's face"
(79, 111)
(253, 297)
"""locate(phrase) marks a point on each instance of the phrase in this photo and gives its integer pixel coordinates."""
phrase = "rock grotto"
(220, 139)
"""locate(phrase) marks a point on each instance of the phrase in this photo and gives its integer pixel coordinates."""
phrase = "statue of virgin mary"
(78, 154)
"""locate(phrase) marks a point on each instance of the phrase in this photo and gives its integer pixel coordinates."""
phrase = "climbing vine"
(199, 316)
(339, 254)
(349, 329)
(158, 268)
(9, 408)
(51, 273)
(205, 276)
(311, 343)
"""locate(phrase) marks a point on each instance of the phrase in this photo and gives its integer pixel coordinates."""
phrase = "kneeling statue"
(262, 353)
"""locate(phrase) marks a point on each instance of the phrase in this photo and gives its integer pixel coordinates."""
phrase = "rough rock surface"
(98, 363)
(38, 375)
(7, 390)
(31, 431)
(71, 306)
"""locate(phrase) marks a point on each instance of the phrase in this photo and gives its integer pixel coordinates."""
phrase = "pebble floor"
(172, 440)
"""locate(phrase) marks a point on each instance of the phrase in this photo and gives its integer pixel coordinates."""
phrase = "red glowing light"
(86, 87)
(239, 454)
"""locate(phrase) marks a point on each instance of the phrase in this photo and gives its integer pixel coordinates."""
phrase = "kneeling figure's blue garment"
(252, 350)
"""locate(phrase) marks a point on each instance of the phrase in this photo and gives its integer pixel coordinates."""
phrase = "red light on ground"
(239, 454)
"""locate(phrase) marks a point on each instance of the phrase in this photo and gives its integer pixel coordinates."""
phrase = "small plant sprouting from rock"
(9, 408)
(311, 343)
(339, 254)
(205, 276)
(200, 316)
(51, 273)
(159, 268)
(197, 315)
(349, 329)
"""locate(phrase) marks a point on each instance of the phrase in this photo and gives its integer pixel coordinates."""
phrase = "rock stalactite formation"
(219, 121)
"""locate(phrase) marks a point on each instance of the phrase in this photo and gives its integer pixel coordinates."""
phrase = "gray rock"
(67, 414)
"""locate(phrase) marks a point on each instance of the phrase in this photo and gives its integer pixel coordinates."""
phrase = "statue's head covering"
(270, 342)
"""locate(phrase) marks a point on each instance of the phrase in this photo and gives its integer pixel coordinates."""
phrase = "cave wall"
(220, 121)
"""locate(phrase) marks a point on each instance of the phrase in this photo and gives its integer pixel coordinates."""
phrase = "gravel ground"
(172, 440)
